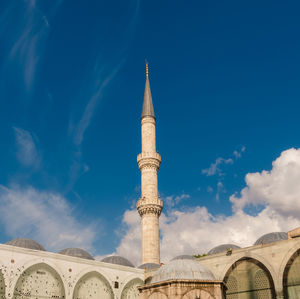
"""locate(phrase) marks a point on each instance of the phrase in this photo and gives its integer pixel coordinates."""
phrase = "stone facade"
(27, 273)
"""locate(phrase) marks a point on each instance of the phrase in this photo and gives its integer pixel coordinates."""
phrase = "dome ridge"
(119, 260)
(182, 269)
(25, 243)
(76, 252)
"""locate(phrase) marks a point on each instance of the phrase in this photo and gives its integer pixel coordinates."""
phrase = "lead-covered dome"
(222, 248)
(25, 243)
(119, 260)
(77, 252)
(149, 266)
(271, 238)
(182, 269)
(183, 257)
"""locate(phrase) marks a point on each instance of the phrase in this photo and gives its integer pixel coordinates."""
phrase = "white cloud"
(130, 246)
(173, 200)
(43, 216)
(197, 231)
(27, 152)
(214, 168)
(278, 188)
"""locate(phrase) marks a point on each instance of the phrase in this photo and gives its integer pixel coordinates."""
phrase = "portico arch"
(130, 290)
(93, 285)
(291, 277)
(2, 286)
(39, 281)
(248, 278)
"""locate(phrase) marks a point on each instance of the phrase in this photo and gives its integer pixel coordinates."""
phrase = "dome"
(183, 257)
(182, 269)
(271, 238)
(222, 248)
(119, 260)
(77, 252)
(149, 266)
(25, 243)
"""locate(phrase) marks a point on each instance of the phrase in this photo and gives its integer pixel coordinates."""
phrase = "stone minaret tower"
(149, 205)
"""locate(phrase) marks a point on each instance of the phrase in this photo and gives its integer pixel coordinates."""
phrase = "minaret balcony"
(149, 206)
(149, 160)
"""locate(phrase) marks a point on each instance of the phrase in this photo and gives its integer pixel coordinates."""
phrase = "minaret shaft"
(149, 205)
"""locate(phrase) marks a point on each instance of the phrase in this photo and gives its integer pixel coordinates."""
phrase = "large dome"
(25, 243)
(182, 269)
(77, 252)
(222, 248)
(183, 257)
(271, 238)
(119, 260)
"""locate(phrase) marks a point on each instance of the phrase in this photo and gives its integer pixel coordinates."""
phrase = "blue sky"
(225, 85)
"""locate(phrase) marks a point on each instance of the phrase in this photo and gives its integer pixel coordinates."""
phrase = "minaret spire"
(147, 105)
(149, 205)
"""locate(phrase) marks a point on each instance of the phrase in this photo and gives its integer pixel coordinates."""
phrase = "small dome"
(182, 269)
(77, 252)
(25, 243)
(119, 260)
(222, 248)
(149, 266)
(271, 238)
(183, 257)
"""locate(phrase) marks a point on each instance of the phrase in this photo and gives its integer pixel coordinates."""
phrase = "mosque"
(267, 270)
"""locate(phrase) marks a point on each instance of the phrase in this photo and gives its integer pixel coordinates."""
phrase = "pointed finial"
(147, 68)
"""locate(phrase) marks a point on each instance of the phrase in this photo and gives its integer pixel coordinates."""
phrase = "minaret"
(149, 205)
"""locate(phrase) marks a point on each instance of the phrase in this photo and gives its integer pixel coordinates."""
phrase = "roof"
(149, 266)
(182, 269)
(77, 252)
(183, 257)
(119, 260)
(222, 248)
(148, 109)
(271, 238)
(26, 243)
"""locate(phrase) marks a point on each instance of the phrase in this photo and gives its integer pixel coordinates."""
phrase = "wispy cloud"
(215, 168)
(173, 200)
(44, 216)
(24, 29)
(102, 75)
(100, 84)
(193, 231)
(27, 152)
(238, 153)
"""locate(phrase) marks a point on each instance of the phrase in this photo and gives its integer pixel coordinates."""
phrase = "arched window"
(291, 277)
(93, 286)
(248, 279)
(39, 281)
(131, 291)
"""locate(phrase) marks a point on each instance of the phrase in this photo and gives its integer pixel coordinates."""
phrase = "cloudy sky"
(225, 85)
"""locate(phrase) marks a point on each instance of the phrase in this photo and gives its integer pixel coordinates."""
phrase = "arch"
(39, 280)
(130, 290)
(158, 295)
(291, 277)
(2, 286)
(93, 285)
(249, 278)
(198, 293)
(249, 255)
